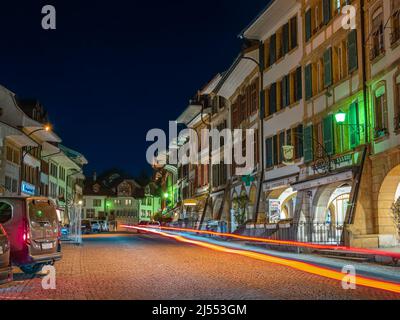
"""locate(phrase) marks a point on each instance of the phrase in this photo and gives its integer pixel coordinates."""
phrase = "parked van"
(33, 229)
(5, 266)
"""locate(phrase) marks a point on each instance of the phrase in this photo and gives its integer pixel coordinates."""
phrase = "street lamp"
(46, 128)
(340, 117)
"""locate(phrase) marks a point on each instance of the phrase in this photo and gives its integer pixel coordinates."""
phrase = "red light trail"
(392, 255)
(301, 266)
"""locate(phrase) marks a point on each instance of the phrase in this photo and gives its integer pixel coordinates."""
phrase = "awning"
(22, 141)
(191, 112)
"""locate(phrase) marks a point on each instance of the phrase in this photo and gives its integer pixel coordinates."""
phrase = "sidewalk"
(380, 272)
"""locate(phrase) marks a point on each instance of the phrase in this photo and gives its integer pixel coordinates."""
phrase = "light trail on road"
(392, 255)
(302, 266)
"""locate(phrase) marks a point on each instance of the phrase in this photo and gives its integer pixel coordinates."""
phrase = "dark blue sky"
(115, 69)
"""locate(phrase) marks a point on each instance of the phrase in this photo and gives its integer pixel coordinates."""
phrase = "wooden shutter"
(327, 11)
(287, 78)
(272, 99)
(354, 126)
(276, 150)
(293, 32)
(352, 51)
(269, 153)
(328, 135)
(299, 87)
(283, 93)
(308, 25)
(308, 144)
(328, 67)
(308, 79)
(272, 50)
(282, 136)
(285, 39)
(299, 142)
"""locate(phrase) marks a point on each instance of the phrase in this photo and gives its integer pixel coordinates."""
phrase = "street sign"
(248, 180)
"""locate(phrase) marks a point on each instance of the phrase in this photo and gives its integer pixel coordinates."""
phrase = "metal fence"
(317, 233)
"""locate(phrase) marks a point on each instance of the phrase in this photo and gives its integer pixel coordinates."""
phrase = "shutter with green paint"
(352, 50)
(308, 79)
(298, 84)
(269, 155)
(328, 135)
(308, 25)
(327, 11)
(285, 38)
(354, 126)
(282, 136)
(328, 67)
(299, 142)
(272, 99)
(287, 90)
(308, 144)
(272, 50)
(276, 148)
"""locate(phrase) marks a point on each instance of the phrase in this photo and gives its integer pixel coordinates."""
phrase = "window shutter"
(299, 87)
(283, 92)
(272, 50)
(269, 155)
(293, 32)
(308, 25)
(287, 90)
(308, 79)
(327, 11)
(272, 99)
(328, 67)
(328, 135)
(282, 136)
(308, 144)
(276, 150)
(352, 50)
(299, 142)
(285, 39)
(354, 130)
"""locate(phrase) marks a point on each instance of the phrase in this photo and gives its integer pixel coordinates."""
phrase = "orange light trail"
(301, 266)
(392, 255)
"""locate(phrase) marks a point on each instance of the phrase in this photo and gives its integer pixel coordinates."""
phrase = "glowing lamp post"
(340, 117)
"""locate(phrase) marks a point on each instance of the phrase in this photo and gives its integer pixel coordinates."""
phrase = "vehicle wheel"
(31, 269)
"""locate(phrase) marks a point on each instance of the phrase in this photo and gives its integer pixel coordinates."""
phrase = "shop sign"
(27, 188)
(274, 210)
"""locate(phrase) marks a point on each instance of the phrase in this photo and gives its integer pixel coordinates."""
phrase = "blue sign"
(28, 188)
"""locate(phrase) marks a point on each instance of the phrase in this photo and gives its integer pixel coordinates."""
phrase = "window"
(128, 202)
(272, 50)
(285, 91)
(97, 203)
(285, 39)
(12, 155)
(381, 112)
(308, 144)
(308, 81)
(269, 153)
(293, 33)
(352, 51)
(397, 103)
(327, 10)
(62, 174)
(5, 212)
(297, 85)
(53, 170)
(90, 213)
(53, 190)
(299, 142)
(308, 19)
(395, 35)
(272, 99)
(328, 135)
(328, 68)
(61, 192)
(378, 46)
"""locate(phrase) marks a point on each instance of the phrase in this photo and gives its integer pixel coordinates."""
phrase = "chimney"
(94, 176)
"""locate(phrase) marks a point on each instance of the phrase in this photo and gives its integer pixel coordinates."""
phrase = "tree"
(143, 178)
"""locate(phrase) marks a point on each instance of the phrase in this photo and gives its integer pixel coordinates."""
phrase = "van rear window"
(42, 212)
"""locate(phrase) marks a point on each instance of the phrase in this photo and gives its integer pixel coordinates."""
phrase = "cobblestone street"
(126, 267)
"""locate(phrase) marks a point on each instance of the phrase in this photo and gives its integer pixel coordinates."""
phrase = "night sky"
(115, 69)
